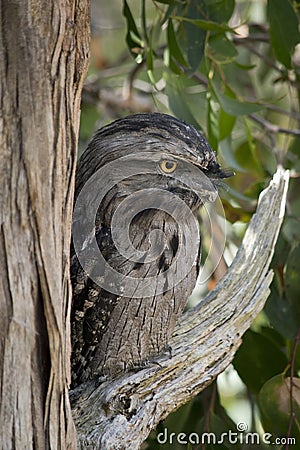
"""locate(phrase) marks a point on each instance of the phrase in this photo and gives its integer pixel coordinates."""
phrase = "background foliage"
(232, 69)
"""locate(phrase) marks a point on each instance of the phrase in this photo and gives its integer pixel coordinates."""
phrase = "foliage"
(231, 68)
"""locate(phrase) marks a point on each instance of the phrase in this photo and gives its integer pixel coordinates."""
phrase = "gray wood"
(44, 47)
(120, 414)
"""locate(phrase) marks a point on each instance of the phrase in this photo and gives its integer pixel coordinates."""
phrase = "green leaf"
(191, 37)
(245, 158)
(89, 117)
(257, 360)
(177, 100)
(235, 107)
(144, 20)
(220, 10)
(174, 49)
(221, 49)
(212, 123)
(246, 155)
(244, 66)
(226, 124)
(226, 121)
(291, 229)
(280, 311)
(228, 154)
(206, 25)
(275, 404)
(292, 280)
(273, 336)
(149, 58)
(151, 77)
(133, 37)
(166, 2)
(218, 427)
(284, 31)
(151, 45)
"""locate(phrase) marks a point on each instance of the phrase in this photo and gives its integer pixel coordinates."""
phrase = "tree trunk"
(43, 60)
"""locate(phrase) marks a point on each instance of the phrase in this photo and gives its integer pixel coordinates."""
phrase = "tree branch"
(272, 128)
(119, 414)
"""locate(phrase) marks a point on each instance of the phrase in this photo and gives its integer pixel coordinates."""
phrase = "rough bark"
(43, 59)
(119, 414)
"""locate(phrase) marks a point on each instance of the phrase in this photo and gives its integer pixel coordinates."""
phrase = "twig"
(291, 114)
(128, 83)
(271, 128)
(269, 62)
(240, 40)
(209, 412)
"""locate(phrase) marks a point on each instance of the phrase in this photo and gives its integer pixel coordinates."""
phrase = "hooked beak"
(195, 179)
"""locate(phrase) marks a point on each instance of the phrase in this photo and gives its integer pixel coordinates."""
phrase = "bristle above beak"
(226, 173)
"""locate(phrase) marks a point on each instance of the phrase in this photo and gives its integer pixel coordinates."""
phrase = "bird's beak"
(206, 191)
(196, 180)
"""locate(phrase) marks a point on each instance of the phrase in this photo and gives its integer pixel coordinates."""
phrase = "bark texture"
(43, 60)
(120, 414)
(143, 218)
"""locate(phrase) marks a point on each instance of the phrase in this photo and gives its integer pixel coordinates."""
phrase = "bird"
(136, 247)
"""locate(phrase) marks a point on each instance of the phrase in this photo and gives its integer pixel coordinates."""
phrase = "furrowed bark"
(44, 49)
(120, 414)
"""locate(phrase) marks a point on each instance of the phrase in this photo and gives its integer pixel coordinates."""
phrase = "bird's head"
(138, 186)
(153, 151)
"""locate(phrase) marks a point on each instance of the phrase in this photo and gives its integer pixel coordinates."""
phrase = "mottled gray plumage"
(113, 333)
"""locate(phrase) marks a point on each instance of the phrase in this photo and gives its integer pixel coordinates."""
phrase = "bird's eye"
(168, 166)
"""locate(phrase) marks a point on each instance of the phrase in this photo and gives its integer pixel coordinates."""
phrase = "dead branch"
(119, 414)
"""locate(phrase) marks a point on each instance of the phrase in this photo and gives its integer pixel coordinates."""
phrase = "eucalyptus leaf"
(221, 49)
(212, 124)
(173, 47)
(235, 107)
(291, 229)
(192, 38)
(207, 25)
(257, 360)
(275, 405)
(284, 30)
(133, 37)
(220, 10)
(166, 2)
(280, 311)
(226, 124)
(228, 154)
(292, 280)
(177, 100)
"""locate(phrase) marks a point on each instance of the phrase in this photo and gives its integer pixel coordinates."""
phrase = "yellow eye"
(168, 166)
